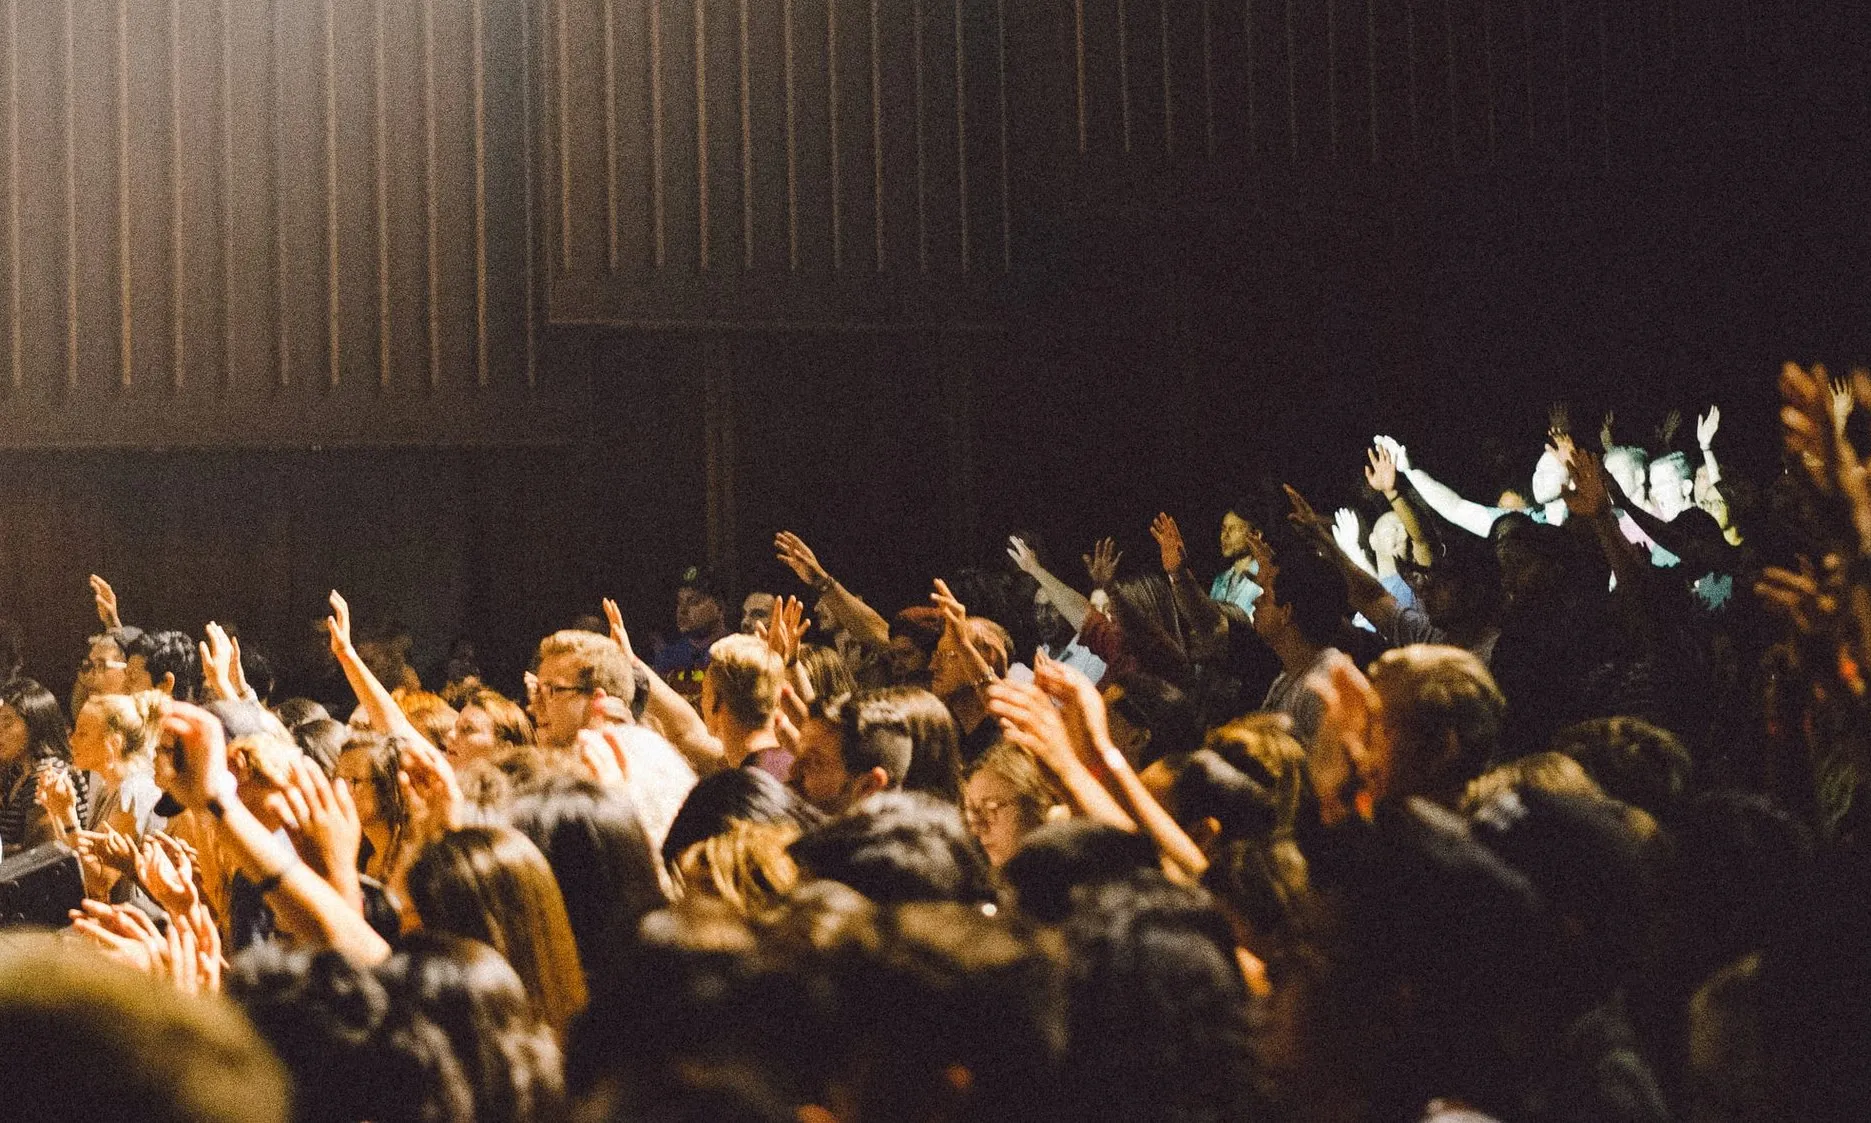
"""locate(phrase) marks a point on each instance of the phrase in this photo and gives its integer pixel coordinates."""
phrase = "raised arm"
(1465, 513)
(1589, 500)
(1708, 423)
(1071, 603)
(1363, 591)
(385, 715)
(1202, 616)
(1381, 474)
(681, 725)
(859, 619)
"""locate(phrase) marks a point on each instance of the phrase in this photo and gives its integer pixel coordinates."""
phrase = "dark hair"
(871, 735)
(507, 1054)
(1058, 858)
(1154, 980)
(294, 712)
(323, 740)
(1743, 865)
(47, 736)
(353, 1053)
(1641, 764)
(258, 670)
(600, 855)
(921, 624)
(170, 653)
(1314, 589)
(935, 742)
(899, 846)
(825, 670)
(748, 794)
(1155, 704)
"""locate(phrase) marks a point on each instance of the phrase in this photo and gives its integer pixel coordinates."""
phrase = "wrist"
(1392, 496)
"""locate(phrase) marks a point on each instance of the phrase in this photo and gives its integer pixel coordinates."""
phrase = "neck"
(965, 704)
(1294, 651)
(1386, 566)
(738, 742)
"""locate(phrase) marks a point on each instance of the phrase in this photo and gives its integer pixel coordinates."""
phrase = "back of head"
(745, 794)
(85, 1038)
(1059, 858)
(935, 742)
(1154, 980)
(872, 733)
(600, 856)
(825, 670)
(746, 866)
(1642, 764)
(294, 712)
(598, 663)
(511, 725)
(170, 653)
(1155, 704)
(429, 713)
(745, 676)
(1263, 752)
(46, 735)
(896, 847)
(1445, 714)
(323, 740)
(1314, 590)
(136, 717)
(1547, 771)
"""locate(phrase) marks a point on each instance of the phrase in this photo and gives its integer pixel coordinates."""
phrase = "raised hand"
(1381, 472)
(1558, 418)
(124, 934)
(602, 754)
(1707, 423)
(798, 557)
(194, 952)
(619, 636)
(1347, 754)
(1303, 516)
(785, 629)
(1607, 440)
(1588, 497)
(1081, 707)
(1029, 719)
(430, 790)
(1810, 605)
(1350, 538)
(192, 762)
(955, 623)
(339, 622)
(241, 687)
(217, 662)
(1101, 563)
(1023, 557)
(324, 826)
(58, 795)
(1168, 537)
(1398, 454)
(1666, 432)
(1560, 444)
(106, 600)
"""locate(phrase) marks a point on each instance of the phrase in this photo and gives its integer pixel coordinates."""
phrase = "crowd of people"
(1543, 807)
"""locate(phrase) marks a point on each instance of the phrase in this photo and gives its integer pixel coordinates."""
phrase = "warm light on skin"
(1001, 829)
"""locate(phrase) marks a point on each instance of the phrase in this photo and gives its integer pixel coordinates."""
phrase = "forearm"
(303, 903)
(1421, 552)
(1071, 603)
(1128, 790)
(860, 620)
(1715, 469)
(1465, 513)
(1087, 796)
(681, 725)
(385, 715)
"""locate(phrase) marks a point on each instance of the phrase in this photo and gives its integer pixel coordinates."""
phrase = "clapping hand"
(58, 796)
(784, 630)
(167, 873)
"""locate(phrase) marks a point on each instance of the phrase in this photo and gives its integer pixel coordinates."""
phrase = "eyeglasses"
(984, 812)
(546, 691)
(91, 666)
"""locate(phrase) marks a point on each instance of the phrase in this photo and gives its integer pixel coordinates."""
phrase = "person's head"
(1155, 979)
(699, 605)
(1461, 593)
(323, 740)
(117, 733)
(165, 661)
(716, 802)
(1151, 719)
(850, 748)
(508, 1054)
(369, 764)
(951, 670)
(1306, 599)
(600, 856)
(106, 663)
(1442, 717)
(756, 611)
(935, 741)
(1550, 475)
(1389, 539)
(32, 726)
(433, 717)
(1005, 797)
(294, 712)
(825, 671)
(1247, 783)
(1641, 764)
(492, 884)
(1053, 628)
(1548, 771)
(1543, 564)
(1236, 533)
(1672, 485)
(741, 687)
(87, 1038)
(914, 633)
(746, 865)
(577, 672)
(1629, 466)
(896, 847)
(488, 721)
(1058, 860)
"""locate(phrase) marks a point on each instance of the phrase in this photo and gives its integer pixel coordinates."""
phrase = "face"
(948, 667)
(13, 733)
(697, 613)
(819, 774)
(995, 815)
(1270, 616)
(908, 665)
(94, 746)
(560, 707)
(1669, 488)
(472, 736)
(1388, 538)
(354, 769)
(104, 669)
(136, 675)
(1234, 535)
(1549, 479)
(756, 609)
(1523, 571)
(1628, 470)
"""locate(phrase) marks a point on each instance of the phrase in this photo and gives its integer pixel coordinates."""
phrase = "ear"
(869, 783)
(167, 685)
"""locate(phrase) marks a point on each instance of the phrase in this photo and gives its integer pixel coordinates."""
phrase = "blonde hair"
(432, 716)
(511, 725)
(601, 663)
(137, 718)
(745, 865)
(1023, 774)
(747, 675)
(1548, 772)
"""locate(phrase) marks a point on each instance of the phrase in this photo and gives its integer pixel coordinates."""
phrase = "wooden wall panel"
(271, 222)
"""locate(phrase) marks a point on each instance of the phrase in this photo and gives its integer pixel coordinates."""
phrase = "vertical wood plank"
(431, 194)
(380, 172)
(792, 138)
(126, 348)
(701, 135)
(177, 228)
(333, 317)
(16, 365)
(610, 133)
(747, 142)
(656, 132)
(481, 366)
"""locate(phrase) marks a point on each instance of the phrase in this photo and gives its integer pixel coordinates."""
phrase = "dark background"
(511, 314)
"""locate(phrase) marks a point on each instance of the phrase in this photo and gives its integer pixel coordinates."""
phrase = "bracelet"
(824, 585)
